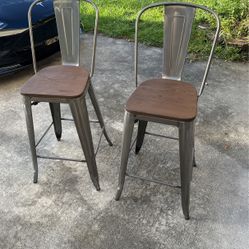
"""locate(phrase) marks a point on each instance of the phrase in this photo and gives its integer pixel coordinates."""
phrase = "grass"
(117, 19)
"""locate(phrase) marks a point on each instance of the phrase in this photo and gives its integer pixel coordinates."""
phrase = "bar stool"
(167, 100)
(67, 83)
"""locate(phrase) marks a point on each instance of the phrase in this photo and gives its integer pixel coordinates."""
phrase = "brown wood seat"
(57, 81)
(164, 98)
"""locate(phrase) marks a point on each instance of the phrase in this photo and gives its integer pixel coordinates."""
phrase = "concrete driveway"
(63, 211)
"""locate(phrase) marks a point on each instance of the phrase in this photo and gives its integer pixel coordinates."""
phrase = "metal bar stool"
(167, 100)
(66, 83)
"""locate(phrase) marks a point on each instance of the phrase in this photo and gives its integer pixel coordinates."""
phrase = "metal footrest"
(152, 180)
(132, 145)
(64, 158)
(159, 135)
(100, 138)
(148, 179)
(61, 158)
(44, 134)
(71, 119)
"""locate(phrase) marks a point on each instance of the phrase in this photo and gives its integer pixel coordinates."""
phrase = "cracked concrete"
(64, 211)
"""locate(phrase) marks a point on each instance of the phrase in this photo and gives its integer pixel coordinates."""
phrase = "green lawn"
(117, 19)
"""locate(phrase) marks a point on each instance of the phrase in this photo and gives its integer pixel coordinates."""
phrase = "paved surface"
(64, 211)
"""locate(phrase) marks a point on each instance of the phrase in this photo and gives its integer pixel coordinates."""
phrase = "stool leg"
(31, 135)
(140, 135)
(81, 119)
(126, 143)
(186, 163)
(194, 161)
(98, 112)
(56, 116)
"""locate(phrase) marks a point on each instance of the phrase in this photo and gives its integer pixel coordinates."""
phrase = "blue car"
(15, 52)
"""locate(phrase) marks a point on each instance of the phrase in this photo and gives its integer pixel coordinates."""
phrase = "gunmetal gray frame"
(78, 107)
(94, 35)
(185, 13)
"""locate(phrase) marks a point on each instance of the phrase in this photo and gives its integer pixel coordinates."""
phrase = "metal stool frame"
(177, 27)
(68, 24)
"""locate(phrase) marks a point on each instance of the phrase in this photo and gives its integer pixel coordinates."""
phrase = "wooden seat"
(164, 98)
(57, 82)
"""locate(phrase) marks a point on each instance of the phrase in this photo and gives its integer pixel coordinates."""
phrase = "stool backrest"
(178, 22)
(177, 30)
(67, 13)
